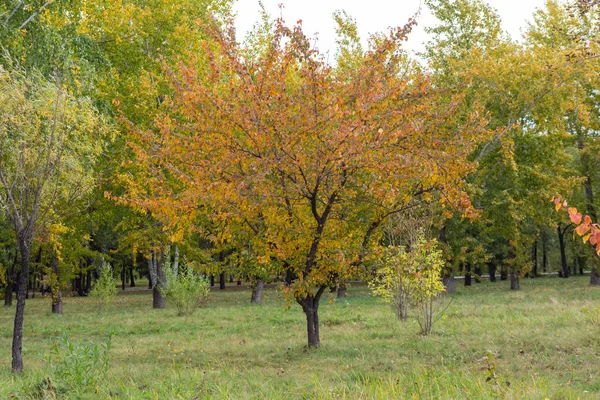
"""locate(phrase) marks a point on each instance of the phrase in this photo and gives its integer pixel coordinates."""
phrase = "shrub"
(186, 289)
(412, 279)
(105, 287)
(78, 368)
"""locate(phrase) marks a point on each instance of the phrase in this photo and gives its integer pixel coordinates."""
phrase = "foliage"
(584, 226)
(105, 287)
(186, 289)
(412, 278)
(79, 368)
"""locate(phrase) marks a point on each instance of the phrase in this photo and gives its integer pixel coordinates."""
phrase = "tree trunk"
(158, 299)
(131, 278)
(22, 280)
(534, 258)
(563, 254)
(342, 291)
(503, 273)
(8, 295)
(257, 290)
(544, 253)
(595, 275)
(222, 280)
(123, 283)
(310, 306)
(514, 281)
(492, 271)
(468, 275)
(56, 290)
(449, 282)
(212, 280)
(478, 273)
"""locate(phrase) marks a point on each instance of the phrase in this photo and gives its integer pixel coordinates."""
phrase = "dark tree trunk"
(230, 278)
(563, 253)
(222, 280)
(449, 282)
(257, 290)
(131, 278)
(492, 271)
(581, 261)
(468, 275)
(56, 290)
(8, 295)
(514, 281)
(158, 299)
(478, 273)
(239, 282)
(544, 253)
(212, 280)
(289, 277)
(310, 306)
(342, 291)
(503, 273)
(88, 281)
(534, 259)
(22, 280)
(595, 275)
(123, 277)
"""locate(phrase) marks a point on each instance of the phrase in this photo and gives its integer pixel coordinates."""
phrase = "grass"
(542, 341)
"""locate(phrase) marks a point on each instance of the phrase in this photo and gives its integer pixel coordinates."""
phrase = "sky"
(371, 16)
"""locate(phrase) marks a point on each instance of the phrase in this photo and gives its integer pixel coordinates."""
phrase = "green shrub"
(78, 368)
(105, 287)
(412, 279)
(185, 289)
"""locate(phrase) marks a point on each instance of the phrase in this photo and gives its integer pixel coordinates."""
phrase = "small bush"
(105, 287)
(78, 368)
(186, 289)
(412, 279)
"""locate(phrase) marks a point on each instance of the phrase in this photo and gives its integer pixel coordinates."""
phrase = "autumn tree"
(320, 158)
(49, 143)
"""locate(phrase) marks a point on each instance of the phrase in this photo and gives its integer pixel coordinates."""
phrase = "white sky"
(371, 15)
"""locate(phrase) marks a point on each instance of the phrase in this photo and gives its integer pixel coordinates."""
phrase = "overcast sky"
(371, 15)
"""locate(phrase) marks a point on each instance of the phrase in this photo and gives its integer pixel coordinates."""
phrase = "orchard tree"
(49, 143)
(320, 158)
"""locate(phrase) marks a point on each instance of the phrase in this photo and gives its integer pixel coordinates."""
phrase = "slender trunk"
(503, 273)
(514, 281)
(534, 258)
(563, 255)
(212, 280)
(468, 274)
(123, 277)
(478, 273)
(239, 282)
(230, 278)
(595, 275)
(131, 278)
(8, 295)
(158, 299)
(492, 271)
(222, 280)
(544, 253)
(342, 291)
(257, 290)
(23, 279)
(449, 282)
(56, 290)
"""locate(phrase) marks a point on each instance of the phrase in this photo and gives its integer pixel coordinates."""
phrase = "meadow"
(540, 342)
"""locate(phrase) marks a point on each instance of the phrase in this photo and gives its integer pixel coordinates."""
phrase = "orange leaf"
(587, 220)
(587, 237)
(582, 229)
(574, 215)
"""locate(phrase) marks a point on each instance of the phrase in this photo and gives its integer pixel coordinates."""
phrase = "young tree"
(49, 143)
(321, 158)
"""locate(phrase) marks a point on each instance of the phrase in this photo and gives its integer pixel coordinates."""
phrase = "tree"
(49, 143)
(321, 159)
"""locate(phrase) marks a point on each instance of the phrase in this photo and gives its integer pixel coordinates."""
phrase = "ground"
(540, 342)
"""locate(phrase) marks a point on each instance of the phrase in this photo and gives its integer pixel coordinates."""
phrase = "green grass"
(544, 345)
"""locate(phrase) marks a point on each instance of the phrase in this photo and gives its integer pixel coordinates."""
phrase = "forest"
(150, 158)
